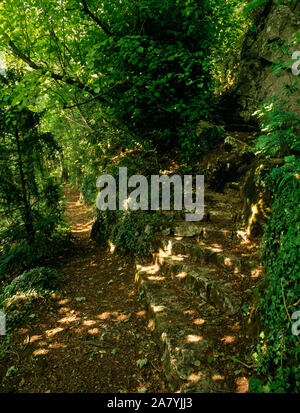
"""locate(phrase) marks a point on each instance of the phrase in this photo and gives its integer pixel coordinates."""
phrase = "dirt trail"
(93, 335)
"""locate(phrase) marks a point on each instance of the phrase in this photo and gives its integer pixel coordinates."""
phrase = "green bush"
(18, 297)
(281, 130)
(40, 279)
(194, 146)
(130, 231)
(88, 189)
(278, 350)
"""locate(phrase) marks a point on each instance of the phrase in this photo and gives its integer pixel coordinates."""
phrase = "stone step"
(204, 282)
(215, 235)
(198, 252)
(214, 219)
(221, 216)
(204, 230)
(182, 342)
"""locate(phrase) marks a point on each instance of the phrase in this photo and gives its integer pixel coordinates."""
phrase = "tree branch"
(99, 23)
(20, 54)
(17, 52)
(80, 103)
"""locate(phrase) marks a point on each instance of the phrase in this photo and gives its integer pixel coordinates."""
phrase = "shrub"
(24, 290)
(278, 351)
(130, 231)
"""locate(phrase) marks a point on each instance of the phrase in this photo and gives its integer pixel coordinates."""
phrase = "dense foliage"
(278, 352)
(92, 86)
(24, 291)
(148, 66)
(30, 211)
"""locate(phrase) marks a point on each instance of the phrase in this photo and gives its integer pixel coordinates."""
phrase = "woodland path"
(93, 335)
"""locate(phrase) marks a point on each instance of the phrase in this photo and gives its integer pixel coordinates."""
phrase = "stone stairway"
(195, 287)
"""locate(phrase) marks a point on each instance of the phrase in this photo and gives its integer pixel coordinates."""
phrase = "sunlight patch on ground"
(194, 378)
(242, 385)
(192, 338)
(40, 352)
(53, 331)
(93, 331)
(68, 320)
(88, 323)
(181, 275)
(228, 339)
(32, 339)
(158, 308)
(218, 377)
(104, 316)
(199, 321)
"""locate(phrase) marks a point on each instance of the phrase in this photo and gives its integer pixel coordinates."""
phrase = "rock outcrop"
(276, 25)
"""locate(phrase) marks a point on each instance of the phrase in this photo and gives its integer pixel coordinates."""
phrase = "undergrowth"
(278, 350)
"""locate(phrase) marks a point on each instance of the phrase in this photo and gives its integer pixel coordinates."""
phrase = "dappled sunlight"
(64, 310)
(200, 324)
(104, 316)
(32, 339)
(179, 258)
(53, 331)
(199, 321)
(88, 323)
(243, 236)
(68, 320)
(56, 346)
(151, 325)
(149, 269)
(218, 377)
(217, 246)
(257, 272)
(228, 339)
(93, 264)
(82, 228)
(79, 330)
(93, 331)
(194, 378)
(22, 296)
(63, 301)
(23, 330)
(158, 308)
(181, 275)
(189, 312)
(112, 247)
(228, 262)
(41, 343)
(40, 352)
(142, 313)
(242, 385)
(156, 278)
(121, 317)
(192, 338)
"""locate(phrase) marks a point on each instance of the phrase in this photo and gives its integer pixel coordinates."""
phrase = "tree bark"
(27, 213)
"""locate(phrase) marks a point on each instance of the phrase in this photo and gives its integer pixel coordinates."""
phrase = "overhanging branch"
(96, 19)
(18, 53)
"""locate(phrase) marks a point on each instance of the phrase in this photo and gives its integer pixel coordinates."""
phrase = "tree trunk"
(27, 214)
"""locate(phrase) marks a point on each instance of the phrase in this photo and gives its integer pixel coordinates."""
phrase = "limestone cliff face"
(276, 23)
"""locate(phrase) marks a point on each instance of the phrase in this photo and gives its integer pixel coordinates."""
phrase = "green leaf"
(142, 362)
(80, 299)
